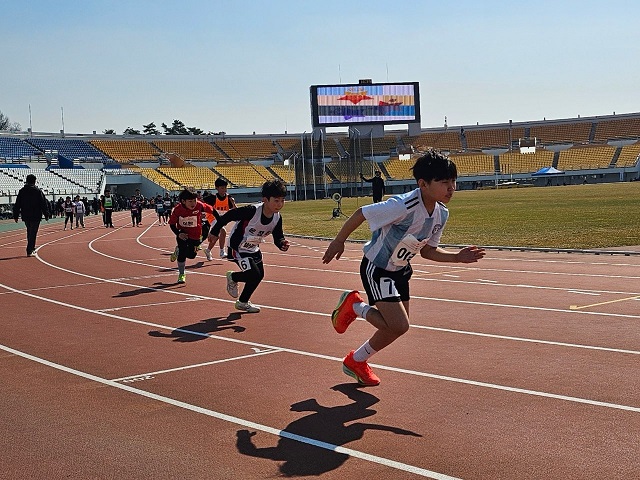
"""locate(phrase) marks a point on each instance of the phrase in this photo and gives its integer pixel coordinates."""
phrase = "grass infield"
(575, 216)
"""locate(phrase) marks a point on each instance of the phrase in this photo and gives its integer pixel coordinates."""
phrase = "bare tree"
(7, 125)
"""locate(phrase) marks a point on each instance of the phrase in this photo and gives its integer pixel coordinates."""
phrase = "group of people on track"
(402, 227)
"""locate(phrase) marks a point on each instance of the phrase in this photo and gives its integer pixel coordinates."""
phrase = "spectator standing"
(69, 210)
(135, 207)
(107, 208)
(377, 185)
(81, 210)
(140, 199)
(32, 205)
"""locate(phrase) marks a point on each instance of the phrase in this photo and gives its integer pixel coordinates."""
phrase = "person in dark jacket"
(32, 205)
(377, 185)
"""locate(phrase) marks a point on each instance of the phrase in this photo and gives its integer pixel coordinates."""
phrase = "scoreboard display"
(373, 103)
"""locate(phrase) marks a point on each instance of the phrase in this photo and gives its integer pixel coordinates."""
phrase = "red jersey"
(189, 221)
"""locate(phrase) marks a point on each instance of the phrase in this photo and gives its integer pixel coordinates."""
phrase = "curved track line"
(327, 357)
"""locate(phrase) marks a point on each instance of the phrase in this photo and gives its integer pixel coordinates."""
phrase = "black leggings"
(250, 277)
(187, 249)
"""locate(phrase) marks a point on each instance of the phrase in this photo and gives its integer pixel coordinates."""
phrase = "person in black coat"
(377, 185)
(32, 205)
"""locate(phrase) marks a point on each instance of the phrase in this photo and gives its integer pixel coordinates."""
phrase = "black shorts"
(383, 285)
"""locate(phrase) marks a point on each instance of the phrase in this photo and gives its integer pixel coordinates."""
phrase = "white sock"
(361, 309)
(364, 352)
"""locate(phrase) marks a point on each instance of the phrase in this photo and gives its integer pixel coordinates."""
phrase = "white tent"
(547, 171)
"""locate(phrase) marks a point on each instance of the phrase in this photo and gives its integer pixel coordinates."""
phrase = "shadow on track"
(325, 424)
(200, 330)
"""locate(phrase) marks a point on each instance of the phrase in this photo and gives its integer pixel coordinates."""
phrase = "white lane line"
(197, 365)
(327, 357)
(156, 304)
(528, 340)
(581, 312)
(570, 311)
(236, 420)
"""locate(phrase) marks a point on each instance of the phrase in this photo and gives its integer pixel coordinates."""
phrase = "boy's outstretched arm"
(469, 254)
(336, 247)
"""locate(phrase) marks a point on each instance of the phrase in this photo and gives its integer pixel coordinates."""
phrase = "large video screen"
(379, 103)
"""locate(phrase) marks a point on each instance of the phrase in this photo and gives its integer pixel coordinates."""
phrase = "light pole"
(304, 176)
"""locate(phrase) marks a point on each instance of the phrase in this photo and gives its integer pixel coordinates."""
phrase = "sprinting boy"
(186, 222)
(222, 203)
(402, 226)
(253, 224)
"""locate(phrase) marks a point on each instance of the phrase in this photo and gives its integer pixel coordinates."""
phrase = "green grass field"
(575, 216)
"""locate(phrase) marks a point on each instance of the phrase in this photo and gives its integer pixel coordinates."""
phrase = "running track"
(522, 366)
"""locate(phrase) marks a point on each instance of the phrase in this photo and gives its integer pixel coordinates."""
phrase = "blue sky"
(244, 67)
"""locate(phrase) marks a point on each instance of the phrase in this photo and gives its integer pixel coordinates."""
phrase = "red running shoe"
(343, 314)
(361, 371)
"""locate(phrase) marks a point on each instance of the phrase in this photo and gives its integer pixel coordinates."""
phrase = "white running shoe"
(207, 253)
(232, 287)
(247, 307)
(222, 254)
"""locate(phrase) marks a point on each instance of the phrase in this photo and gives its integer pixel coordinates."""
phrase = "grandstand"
(628, 156)
(241, 175)
(159, 179)
(474, 164)
(127, 151)
(482, 138)
(200, 178)
(608, 146)
(516, 162)
(248, 149)
(70, 149)
(190, 149)
(12, 149)
(586, 158)
(52, 182)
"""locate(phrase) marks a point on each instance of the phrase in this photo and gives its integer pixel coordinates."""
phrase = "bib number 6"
(245, 264)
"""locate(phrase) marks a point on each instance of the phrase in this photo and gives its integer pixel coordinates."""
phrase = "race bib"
(251, 242)
(244, 264)
(388, 288)
(188, 222)
(408, 247)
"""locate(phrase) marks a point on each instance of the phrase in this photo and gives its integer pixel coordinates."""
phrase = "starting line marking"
(148, 376)
(576, 307)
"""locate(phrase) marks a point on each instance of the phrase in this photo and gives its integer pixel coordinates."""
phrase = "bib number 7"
(388, 288)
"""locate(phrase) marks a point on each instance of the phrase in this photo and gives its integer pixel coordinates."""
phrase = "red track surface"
(525, 365)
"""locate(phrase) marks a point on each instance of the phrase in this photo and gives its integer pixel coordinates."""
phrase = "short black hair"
(221, 182)
(434, 165)
(274, 188)
(187, 194)
(31, 179)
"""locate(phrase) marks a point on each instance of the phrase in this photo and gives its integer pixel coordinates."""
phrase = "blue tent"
(547, 171)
